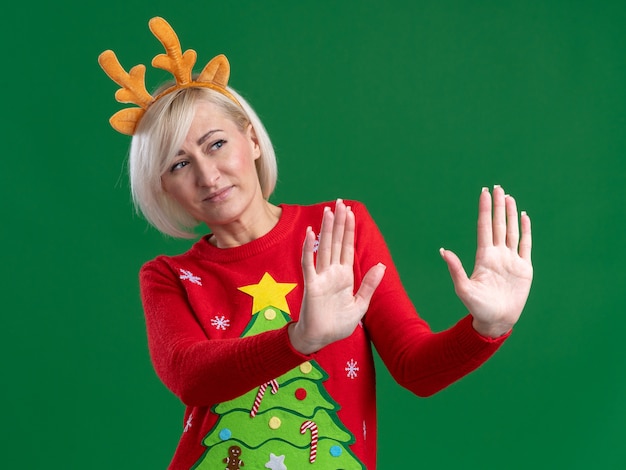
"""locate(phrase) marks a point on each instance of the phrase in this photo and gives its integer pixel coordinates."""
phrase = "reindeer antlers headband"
(214, 75)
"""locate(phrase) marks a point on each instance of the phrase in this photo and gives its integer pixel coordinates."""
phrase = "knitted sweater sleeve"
(420, 360)
(202, 371)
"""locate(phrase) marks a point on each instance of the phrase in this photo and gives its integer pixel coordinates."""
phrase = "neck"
(240, 232)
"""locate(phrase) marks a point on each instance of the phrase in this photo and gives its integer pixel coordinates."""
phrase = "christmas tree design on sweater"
(290, 422)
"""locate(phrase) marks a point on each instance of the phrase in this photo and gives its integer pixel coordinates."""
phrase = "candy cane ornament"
(313, 427)
(259, 396)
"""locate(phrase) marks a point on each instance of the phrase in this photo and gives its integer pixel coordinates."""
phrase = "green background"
(409, 106)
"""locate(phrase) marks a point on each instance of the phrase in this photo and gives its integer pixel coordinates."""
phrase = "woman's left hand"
(496, 292)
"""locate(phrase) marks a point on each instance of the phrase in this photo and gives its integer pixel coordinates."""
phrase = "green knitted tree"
(290, 422)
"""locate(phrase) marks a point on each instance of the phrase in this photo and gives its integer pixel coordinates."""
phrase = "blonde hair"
(159, 136)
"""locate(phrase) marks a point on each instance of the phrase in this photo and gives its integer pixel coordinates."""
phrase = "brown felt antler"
(214, 75)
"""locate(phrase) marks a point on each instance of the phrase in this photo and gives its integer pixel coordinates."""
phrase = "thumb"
(457, 272)
(370, 282)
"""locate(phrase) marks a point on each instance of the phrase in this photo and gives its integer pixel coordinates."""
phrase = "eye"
(217, 144)
(178, 165)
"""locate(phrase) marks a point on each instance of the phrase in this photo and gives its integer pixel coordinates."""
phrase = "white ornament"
(188, 276)
(188, 424)
(276, 462)
(352, 369)
(316, 243)
(220, 323)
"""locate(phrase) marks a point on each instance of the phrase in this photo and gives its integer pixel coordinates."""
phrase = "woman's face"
(213, 176)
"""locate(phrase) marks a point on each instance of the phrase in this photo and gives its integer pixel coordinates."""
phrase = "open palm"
(330, 309)
(496, 291)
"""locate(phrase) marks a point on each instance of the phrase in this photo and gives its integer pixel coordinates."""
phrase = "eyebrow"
(202, 139)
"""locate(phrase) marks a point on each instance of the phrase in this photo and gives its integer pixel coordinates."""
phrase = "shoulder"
(319, 206)
(168, 264)
(312, 213)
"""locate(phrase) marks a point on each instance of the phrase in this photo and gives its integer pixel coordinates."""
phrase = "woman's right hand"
(330, 309)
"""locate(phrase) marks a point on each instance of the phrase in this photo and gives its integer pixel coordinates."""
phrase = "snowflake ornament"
(188, 276)
(276, 462)
(352, 369)
(316, 243)
(188, 424)
(220, 323)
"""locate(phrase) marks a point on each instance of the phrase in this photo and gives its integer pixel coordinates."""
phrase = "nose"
(207, 172)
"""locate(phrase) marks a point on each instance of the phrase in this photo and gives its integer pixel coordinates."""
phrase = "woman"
(264, 327)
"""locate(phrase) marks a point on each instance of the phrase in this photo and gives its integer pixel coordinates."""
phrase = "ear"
(251, 134)
(216, 71)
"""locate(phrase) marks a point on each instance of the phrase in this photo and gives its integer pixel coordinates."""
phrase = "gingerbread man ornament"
(232, 461)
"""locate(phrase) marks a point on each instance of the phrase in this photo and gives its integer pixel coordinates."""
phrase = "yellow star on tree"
(268, 292)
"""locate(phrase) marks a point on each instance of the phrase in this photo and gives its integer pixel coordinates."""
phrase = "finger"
(308, 264)
(485, 232)
(457, 272)
(369, 283)
(338, 231)
(499, 216)
(512, 227)
(525, 246)
(326, 235)
(347, 250)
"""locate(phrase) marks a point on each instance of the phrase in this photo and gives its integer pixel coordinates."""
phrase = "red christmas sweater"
(217, 333)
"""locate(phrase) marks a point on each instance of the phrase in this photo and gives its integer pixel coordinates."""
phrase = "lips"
(219, 195)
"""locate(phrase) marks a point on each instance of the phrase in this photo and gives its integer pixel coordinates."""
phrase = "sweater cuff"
(472, 342)
(277, 352)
